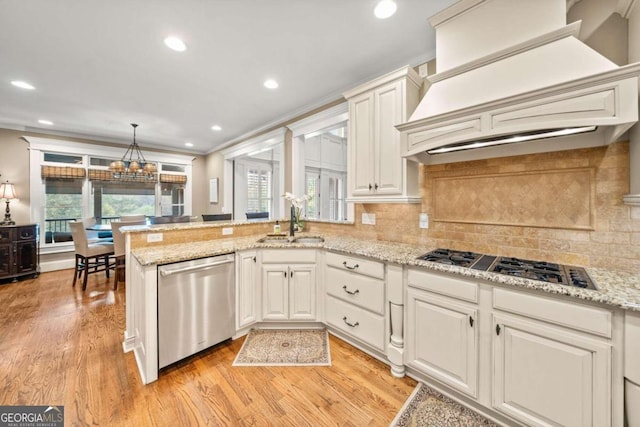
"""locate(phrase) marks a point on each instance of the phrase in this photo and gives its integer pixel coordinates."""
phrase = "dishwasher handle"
(201, 267)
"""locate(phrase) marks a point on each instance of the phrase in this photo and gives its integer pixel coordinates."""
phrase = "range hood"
(512, 78)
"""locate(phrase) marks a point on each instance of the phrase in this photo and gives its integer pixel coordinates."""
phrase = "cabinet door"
(302, 292)
(6, 259)
(361, 145)
(442, 340)
(388, 160)
(26, 257)
(547, 376)
(275, 292)
(247, 289)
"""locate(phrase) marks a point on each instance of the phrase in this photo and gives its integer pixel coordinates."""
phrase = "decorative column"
(395, 292)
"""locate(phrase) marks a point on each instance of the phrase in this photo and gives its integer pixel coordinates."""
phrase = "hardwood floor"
(62, 346)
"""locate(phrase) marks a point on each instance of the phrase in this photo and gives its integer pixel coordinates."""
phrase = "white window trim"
(321, 120)
(259, 143)
(38, 146)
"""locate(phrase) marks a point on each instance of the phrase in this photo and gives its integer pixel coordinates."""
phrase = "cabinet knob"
(471, 321)
(370, 187)
(375, 186)
(285, 273)
(254, 259)
(497, 329)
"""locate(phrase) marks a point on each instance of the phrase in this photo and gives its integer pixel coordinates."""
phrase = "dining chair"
(90, 257)
(216, 217)
(119, 248)
(130, 218)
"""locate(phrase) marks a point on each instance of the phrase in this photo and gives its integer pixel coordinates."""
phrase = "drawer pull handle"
(349, 267)
(350, 292)
(471, 321)
(353, 325)
(497, 329)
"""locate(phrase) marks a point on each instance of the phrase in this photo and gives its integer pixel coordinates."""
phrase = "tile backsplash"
(611, 240)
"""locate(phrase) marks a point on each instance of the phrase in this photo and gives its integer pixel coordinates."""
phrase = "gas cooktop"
(536, 270)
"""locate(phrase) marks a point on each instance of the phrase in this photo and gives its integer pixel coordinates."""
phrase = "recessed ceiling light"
(175, 43)
(22, 85)
(216, 127)
(271, 84)
(385, 9)
(45, 122)
(188, 144)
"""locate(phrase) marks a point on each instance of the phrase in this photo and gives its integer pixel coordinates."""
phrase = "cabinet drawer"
(355, 264)
(443, 285)
(580, 317)
(366, 326)
(26, 233)
(5, 235)
(288, 256)
(363, 291)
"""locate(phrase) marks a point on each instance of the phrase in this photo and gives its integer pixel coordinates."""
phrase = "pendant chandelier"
(128, 167)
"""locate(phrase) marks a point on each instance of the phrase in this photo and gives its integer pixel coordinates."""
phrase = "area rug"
(427, 407)
(285, 347)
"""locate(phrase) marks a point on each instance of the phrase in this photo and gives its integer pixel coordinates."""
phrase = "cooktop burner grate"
(535, 270)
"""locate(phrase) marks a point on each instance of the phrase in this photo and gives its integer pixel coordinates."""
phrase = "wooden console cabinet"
(19, 253)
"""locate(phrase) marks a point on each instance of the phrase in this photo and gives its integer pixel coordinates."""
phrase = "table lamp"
(7, 193)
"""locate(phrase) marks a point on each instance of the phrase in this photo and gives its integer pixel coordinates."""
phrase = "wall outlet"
(154, 237)
(424, 220)
(227, 231)
(423, 70)
(369, 219)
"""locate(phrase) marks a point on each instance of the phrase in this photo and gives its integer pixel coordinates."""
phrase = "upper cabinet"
(376, 170)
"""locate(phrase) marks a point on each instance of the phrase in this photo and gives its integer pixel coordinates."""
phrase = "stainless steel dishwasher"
(196, 306)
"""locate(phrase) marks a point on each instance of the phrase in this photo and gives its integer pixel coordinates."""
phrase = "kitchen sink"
(309, 240)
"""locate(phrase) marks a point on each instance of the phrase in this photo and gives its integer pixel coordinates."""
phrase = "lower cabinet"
(288, 292)
(19, 253)
(247, 288)
(548, 376)
(442, 339)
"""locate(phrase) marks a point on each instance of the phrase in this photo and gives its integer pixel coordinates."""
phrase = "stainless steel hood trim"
(575, 103)
(511, 139)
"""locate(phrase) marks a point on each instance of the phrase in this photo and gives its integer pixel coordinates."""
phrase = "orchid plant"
(298, 204)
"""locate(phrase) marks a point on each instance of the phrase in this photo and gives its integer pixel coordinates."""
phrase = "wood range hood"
(512, 78)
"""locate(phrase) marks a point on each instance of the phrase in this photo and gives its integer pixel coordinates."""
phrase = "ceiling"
(99, 65)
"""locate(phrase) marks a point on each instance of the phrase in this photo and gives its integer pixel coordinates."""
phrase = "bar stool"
(90, 257)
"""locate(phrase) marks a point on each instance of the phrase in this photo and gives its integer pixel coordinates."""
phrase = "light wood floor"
(60, 346)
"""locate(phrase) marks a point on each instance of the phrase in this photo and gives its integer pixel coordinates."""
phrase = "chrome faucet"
(292, 230)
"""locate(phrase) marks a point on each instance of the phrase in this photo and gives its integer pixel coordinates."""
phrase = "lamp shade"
(7, 191)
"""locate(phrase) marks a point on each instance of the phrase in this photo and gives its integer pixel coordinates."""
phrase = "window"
(63, 203)
(259, 192)
(70, 180)
(337, 200)
(112, 198)
(312, 180)
(172, 199)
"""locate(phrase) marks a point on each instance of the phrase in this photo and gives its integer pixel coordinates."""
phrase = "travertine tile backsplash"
(613, 243)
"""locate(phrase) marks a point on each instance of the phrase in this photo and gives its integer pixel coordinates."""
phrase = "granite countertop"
(214, 224)
(617, 289)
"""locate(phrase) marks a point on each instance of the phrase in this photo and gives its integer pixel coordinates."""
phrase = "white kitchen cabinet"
(247, 289)
(550, 376)
(288, 292)
(632, 368)
(376, 170)
(553, 361)
(442, 332)
(355, 301)
(442, 338)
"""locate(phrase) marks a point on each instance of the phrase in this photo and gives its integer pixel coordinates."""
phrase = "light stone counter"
(615, 288)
